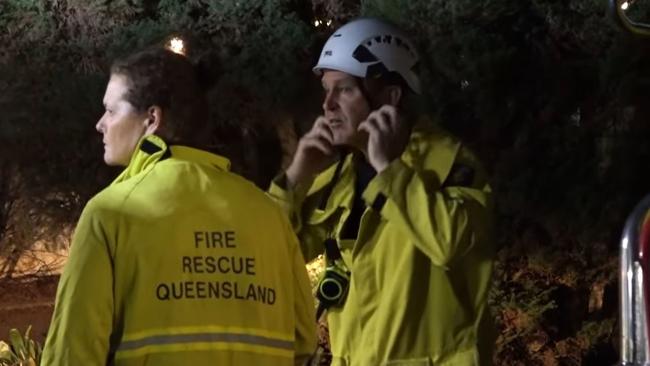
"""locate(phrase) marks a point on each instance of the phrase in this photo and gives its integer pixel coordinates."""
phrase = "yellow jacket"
(180, 262)
(422, 262)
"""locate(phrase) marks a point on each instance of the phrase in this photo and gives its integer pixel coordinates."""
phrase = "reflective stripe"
(215, 349)
(151, 332)
(205, 338)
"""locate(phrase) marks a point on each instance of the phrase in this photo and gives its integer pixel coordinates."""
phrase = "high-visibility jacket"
(180, 262)
(421, 263)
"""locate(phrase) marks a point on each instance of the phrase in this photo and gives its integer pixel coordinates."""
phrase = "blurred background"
(552, 95)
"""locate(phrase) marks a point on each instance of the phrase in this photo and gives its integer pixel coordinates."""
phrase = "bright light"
(177, 45)
(320, 23)
(625, 5)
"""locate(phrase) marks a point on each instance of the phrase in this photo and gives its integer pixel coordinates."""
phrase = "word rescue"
(192, 267)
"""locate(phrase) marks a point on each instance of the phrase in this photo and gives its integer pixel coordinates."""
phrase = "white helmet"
(368, 47)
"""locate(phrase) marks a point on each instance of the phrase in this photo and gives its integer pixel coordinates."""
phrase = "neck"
(360, 147)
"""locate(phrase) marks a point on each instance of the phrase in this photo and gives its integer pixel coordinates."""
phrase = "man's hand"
(314, 153)
(387, 136)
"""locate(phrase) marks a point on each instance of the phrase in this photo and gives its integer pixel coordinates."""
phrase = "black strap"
(332, 249)
(364, 174)
(320, 310)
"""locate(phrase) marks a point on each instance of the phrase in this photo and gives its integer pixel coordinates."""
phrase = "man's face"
(345, 107)
(121, 125)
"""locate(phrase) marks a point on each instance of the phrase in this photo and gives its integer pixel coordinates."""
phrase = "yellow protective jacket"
(422, 262)
(180, 262)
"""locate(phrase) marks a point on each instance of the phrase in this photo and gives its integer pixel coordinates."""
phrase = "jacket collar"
(342, 191)
(152, 149)
(199, 156)
(429, 148)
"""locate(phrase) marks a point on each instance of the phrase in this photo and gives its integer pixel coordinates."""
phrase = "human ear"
(154, 120)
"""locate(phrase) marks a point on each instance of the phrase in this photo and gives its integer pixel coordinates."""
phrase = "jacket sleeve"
(304, 307)
(443, 221)
(291, 202)
(83, 315)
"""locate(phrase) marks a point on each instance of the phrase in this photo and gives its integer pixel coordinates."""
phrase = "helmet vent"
(363, 55)
(375, 71)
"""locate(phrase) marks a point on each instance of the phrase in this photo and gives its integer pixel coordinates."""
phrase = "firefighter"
(178, 261)
(402, 209)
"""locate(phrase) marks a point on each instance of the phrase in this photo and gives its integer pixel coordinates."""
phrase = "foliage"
(21, 351)
(551, 95)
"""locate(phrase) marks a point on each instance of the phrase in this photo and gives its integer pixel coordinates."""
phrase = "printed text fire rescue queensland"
(226, 264)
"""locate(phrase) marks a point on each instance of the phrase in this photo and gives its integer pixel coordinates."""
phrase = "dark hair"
(159, 77)
(408, 103)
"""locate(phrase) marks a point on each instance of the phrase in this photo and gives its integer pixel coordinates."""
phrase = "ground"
(27, 301)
